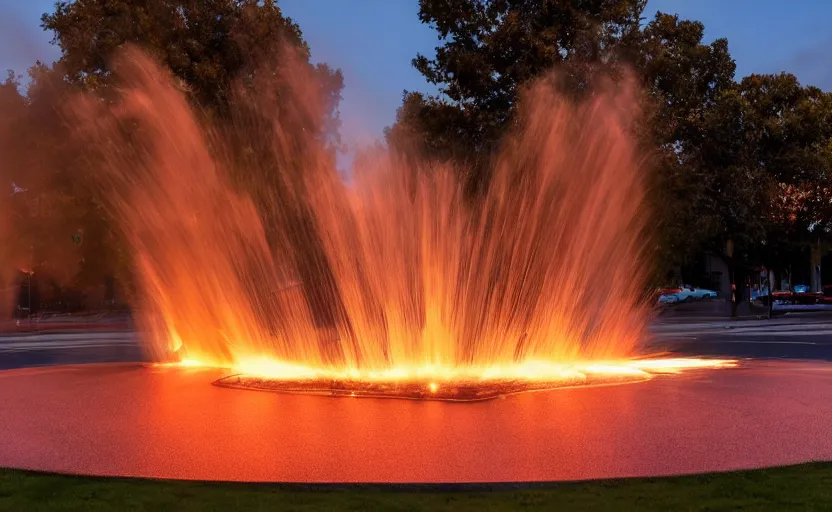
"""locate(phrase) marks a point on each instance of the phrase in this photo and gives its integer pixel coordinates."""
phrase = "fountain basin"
(169, 422)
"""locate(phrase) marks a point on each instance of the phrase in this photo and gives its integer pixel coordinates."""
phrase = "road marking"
(790, 334)
(61, 344)
(772, 331)
(769, 342)
(65, 335)
(42, 349)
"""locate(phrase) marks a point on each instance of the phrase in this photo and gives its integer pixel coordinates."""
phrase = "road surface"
(780, 338)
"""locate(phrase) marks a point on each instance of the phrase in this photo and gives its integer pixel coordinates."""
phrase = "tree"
(12, 109)
(790, 131)
(208, 45)
(222, 53)
(764, 147)
(490, 48)
(686, 81)
(55, 197)
(12, 106)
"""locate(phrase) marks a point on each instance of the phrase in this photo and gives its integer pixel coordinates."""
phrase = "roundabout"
(170, 422)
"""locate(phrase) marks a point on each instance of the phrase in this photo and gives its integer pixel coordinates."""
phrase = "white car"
(669, 298)
(687, 293)
(691, 293)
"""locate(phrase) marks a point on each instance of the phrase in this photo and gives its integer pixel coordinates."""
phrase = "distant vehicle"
(825, 296)
(670, 298)
(802, 296)
(666, 295)
(668, 291)
(690, 293)
(798, 295)
(687, 293)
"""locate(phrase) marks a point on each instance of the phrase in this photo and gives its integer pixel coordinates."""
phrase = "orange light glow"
(533, 371)
(193, 363)
(396, 275)
(677, 365)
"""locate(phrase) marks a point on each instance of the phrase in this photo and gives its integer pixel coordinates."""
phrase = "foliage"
(746, 162)
(207, 45)
(685, 80)
(55, 197)
(722, 151)
(489, 50)
(766, 146)
(217, 50)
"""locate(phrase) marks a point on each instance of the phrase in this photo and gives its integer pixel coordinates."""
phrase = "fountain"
(261, 267)
(390, 282)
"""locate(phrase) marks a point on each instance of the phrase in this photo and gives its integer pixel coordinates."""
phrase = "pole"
(729, 252)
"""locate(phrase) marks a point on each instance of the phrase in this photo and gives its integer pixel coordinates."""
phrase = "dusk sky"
(373, 41)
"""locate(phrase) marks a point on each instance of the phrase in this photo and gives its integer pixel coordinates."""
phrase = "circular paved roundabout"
(135, 420)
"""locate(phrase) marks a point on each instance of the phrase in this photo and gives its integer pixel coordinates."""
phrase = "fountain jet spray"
(251, 247)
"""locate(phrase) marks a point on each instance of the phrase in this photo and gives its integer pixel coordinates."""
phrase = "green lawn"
(803, 487)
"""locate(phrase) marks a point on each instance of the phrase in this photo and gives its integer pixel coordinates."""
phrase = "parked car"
(802, 296)
(666, 295)
(687, 293)
(827, 294)
(669, 298)
(690, 293)
(798, 295)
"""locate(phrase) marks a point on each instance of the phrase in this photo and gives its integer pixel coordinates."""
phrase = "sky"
(373, 42)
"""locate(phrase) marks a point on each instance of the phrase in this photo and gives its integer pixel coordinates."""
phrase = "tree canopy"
(488, 50)
(208, 45)
(742, 161)
(218, 51)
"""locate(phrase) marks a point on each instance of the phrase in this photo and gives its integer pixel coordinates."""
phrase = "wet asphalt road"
(57, 348)
(801, 338)
(814, 347)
